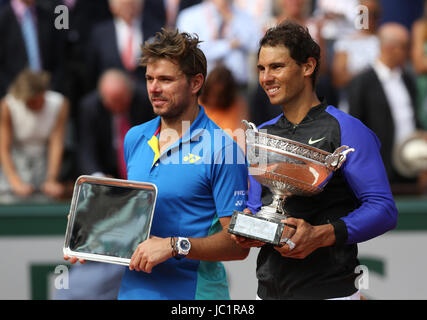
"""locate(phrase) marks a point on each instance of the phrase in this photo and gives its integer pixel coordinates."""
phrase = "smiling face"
(280, 76)
(169, 90)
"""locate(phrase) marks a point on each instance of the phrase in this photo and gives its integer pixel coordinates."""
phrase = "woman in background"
(32, 128)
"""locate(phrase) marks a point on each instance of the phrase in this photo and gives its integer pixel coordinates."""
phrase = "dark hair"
(298, 41)
(181, 48)
(222, 77)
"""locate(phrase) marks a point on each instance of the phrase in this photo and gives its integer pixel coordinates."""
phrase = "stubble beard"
(173, 112)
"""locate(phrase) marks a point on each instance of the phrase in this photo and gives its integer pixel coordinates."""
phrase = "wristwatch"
(182, 247)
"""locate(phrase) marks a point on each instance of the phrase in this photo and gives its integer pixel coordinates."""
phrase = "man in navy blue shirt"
(356, 205)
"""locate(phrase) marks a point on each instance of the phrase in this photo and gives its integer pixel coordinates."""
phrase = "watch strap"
(173, 246)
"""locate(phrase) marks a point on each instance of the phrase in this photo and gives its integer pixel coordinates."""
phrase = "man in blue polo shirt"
(201, 177)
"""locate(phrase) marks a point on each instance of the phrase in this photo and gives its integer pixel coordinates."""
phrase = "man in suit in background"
(29, 40)
(105, 116)
(116, 42)
(383, 96)
(83, 16)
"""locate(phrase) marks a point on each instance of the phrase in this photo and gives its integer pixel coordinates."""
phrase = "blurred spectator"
(156, 11)
(356, 52)
(116, 43)
(229, 35)
(173, 7)
(29, 40)
(224, 103)
(339, 17)
(32, 128)
(419, 61)
(383, 97)
(260, 10)
(300, 12)
(105, 116)
(337, 20)
(83, 15)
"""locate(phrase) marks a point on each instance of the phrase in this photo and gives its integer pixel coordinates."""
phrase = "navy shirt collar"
(311, 115)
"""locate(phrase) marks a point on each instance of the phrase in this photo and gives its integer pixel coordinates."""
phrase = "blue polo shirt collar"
(196, 127)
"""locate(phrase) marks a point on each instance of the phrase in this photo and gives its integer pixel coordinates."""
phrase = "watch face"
(184, 244)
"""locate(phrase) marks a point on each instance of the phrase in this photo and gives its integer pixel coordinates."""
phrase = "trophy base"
(256, 227)
(270, 213)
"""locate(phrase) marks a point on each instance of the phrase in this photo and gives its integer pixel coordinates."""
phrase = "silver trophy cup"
(287, 168)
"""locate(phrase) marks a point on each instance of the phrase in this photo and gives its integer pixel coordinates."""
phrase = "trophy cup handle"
(250, 125)
(338, 157)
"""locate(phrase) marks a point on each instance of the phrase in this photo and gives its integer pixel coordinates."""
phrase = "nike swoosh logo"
(315, 141)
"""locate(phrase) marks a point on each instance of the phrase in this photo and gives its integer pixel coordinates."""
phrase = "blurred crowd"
(70, 84)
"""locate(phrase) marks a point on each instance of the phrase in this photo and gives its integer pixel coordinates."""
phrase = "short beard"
(173, 113)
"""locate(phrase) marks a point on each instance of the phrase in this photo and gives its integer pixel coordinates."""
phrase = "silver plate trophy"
(109, 218)
(287, 168)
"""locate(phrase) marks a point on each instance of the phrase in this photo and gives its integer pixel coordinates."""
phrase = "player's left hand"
(150, 253)
(306, 238)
